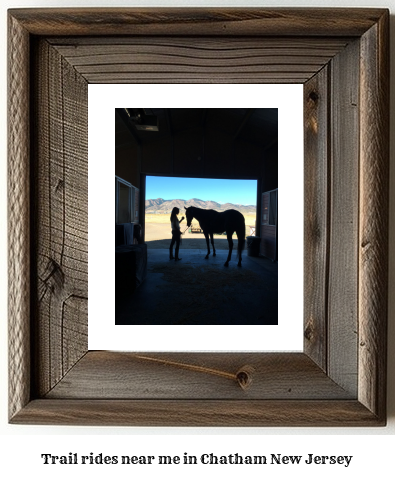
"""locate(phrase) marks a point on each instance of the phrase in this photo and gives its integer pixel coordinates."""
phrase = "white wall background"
(22, 445)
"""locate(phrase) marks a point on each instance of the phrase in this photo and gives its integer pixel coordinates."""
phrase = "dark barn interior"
(201, 143)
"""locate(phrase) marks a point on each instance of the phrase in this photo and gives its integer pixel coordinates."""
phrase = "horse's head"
(189, 215)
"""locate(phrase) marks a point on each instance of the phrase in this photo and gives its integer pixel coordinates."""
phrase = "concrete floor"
(202, 291)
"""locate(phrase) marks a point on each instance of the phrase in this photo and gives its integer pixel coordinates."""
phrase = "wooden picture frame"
(342, 58)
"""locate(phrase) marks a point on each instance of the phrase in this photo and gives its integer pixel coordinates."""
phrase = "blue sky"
(235, 191)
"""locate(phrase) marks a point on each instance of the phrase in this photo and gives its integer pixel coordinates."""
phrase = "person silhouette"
(176, 233)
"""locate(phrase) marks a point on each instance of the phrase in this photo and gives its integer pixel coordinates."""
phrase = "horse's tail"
(241, 238)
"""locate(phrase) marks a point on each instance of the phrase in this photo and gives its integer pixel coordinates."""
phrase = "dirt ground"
(158, 236)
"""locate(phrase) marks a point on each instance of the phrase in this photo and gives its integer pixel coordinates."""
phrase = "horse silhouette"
(211, 222)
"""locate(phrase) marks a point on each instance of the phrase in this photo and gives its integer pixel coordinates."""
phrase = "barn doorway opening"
(200, 289)
(164, 193)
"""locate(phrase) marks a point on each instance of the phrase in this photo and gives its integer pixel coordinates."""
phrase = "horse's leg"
(208, 244)
(212, 243)
(230, 242)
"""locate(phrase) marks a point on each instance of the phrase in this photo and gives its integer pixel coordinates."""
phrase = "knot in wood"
(54, 277)
(244, 376)
(313, 96)
(309, 332)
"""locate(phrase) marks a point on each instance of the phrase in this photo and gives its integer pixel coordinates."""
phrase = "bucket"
(253, 245)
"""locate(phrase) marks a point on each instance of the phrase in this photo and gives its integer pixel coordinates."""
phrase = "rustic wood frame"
(340, 378)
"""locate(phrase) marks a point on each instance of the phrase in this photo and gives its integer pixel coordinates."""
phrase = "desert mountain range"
(165, 206)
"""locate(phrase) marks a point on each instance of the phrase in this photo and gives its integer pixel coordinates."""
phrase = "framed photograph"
(341, 57)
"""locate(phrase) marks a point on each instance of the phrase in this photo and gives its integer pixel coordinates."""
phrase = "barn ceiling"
(257, 126)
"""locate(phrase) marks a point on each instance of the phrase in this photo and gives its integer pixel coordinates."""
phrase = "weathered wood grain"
(18, 217)
(305, 22)
(316, 215)
(373, 227)
(202, 413)
(61, 225)
(344, 217)
(191, 59)
(196, 376)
